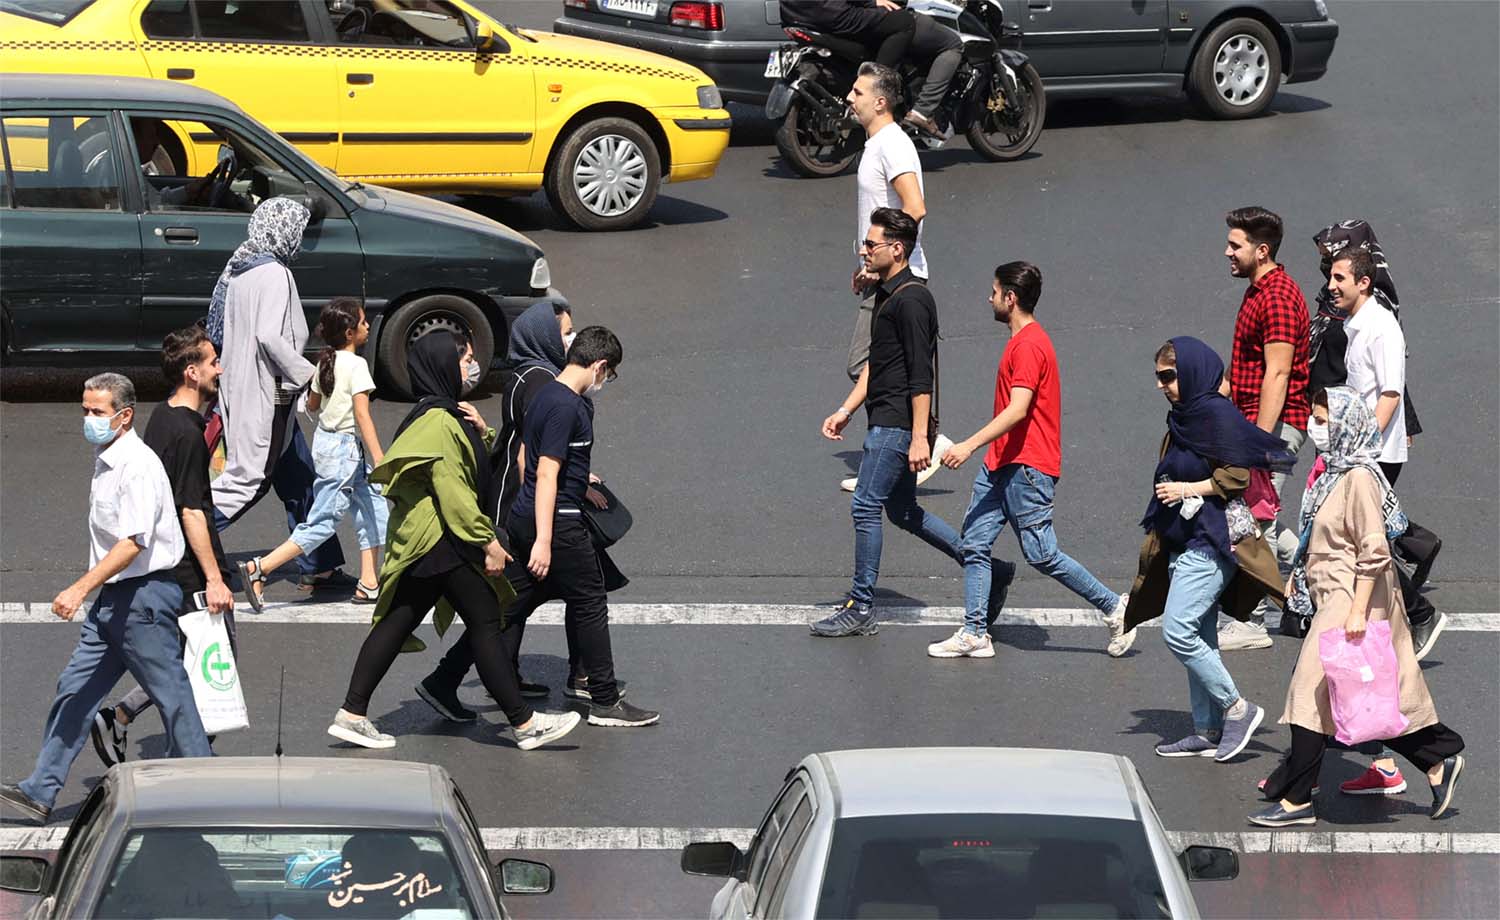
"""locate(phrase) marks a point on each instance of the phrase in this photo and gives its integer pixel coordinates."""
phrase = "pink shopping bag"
(1364, 684)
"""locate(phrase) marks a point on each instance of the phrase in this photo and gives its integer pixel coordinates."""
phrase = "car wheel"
(605, 175)
(433, 313)
(1236, 70)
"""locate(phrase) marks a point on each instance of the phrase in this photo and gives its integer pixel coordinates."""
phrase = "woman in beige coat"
(1344, 575)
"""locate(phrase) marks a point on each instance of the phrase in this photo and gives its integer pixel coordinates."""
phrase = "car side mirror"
(522, 876)
(724, 860)
(1210, 864)
(484, 38)
(315, 201)
(23, 874)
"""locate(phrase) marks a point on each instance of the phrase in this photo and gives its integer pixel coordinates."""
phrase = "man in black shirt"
(175, 433)
(896, 388)
(554, 552)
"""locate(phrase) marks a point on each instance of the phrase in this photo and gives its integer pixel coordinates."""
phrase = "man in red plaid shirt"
(1268, 372)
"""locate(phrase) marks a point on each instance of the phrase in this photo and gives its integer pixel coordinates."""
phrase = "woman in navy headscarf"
(1202, 547)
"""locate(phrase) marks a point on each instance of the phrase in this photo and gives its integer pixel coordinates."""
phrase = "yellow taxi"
(428, 95)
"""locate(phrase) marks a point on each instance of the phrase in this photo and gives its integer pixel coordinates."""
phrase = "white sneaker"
(545, 728)
(360, 731)
(1120, 641)
(1237, 636)
(939, 448)
(962, 645)
(848, 485)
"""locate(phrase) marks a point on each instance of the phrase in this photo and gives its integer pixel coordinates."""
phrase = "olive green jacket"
(429, 477)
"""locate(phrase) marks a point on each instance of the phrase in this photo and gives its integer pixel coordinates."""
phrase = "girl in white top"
(344, 450)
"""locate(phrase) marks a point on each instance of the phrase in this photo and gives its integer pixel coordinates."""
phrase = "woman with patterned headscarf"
(257, 323)
(1343, 576)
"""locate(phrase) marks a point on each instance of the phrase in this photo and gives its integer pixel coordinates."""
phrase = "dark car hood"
(420, 207)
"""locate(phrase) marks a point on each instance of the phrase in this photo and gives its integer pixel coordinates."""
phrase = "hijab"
(1204, 421)
(275, 235)
(1353, 443)
(1333, 240)
(536, 339)
(432, 367)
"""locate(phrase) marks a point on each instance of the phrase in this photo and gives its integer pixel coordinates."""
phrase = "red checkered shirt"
(1273, 311)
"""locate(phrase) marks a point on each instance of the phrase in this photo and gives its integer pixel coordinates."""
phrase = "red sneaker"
(1374, 782)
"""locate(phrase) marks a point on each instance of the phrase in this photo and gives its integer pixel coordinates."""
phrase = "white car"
(959, 832)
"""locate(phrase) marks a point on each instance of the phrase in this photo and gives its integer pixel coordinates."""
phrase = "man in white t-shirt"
(1375, 361)
(890, 176)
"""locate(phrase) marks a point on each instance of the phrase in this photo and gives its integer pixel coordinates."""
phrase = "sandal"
(366, 594)
(255, 579)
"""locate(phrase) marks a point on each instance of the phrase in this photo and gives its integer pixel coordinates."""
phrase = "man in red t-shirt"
(1020, 472)
(1268, 373)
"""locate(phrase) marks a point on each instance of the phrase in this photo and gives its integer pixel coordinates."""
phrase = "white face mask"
(1318, 432)
(568, 342)
(596, 386)
(473, 373)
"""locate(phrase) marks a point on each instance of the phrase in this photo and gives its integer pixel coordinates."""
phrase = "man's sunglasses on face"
(1167, 377)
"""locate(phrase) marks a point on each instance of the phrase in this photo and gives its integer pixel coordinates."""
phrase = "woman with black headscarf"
(441, 550)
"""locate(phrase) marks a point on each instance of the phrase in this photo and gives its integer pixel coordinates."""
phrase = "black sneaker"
(534, 691)
(578, 689)
(445, 701)
(1442, 793)
(25, 804)
(622, 715)
(1424, 635)
(1002, 574)
(1276, 816)
(107, 726)
(337, 580)
(849, 619)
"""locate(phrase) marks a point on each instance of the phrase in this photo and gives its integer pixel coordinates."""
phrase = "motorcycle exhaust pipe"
(826, 104)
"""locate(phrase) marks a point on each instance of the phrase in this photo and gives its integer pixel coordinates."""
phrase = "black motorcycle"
(996, 98)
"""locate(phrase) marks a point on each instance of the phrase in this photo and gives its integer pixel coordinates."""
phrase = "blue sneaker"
(850, 619)
(1194, 745)
(1237, 732)
(1276, 816)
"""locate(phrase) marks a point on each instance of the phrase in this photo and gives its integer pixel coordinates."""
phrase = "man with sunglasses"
(896, 387)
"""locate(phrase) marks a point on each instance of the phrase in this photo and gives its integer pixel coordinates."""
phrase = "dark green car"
(122, 199)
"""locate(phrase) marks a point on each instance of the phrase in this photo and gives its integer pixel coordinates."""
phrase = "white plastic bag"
(212, 672)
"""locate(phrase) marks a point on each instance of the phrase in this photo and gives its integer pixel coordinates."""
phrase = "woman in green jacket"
(441, 549)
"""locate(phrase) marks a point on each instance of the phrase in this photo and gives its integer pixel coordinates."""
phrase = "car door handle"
(182, 235)
(360, 79)
(1040, 6)
(180, 73)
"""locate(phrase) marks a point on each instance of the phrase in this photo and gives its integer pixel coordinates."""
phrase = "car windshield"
(264, 873)
(56, 12)
(990, 866)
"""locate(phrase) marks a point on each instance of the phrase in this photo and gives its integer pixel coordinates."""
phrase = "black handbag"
(606, 525)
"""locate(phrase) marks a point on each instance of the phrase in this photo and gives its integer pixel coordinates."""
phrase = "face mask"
(568, 341)
(96, 429)
(473, 374)
(1318, 432)
(594, 388)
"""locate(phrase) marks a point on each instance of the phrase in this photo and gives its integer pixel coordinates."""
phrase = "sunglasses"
(871, 244)
(1167, 377)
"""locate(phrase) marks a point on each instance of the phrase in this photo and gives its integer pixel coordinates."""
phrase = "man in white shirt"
(890, 176)
(1375, 361)
(135, 542)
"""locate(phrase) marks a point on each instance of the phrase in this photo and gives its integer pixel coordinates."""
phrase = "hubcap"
(610, 175)
(1242, 69)
(433, 323)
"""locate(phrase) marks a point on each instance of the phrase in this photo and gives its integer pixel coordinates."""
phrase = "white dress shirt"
(1375, 363)
(130, 497)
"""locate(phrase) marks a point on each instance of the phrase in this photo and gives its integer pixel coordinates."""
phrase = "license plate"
(646, 8)
(773, 65)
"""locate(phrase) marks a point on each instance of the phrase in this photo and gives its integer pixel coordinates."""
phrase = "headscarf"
(536, 339)
(275, 235)
(1204, 421)
(1333, 240)
(432, 367)
(1353, 443)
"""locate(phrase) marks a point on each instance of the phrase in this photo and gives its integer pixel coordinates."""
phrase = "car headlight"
(1321, 7)
(709, 98)
(541, 275)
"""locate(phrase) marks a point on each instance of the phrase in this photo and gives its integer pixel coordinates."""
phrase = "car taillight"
(698, 15)
(577, 4)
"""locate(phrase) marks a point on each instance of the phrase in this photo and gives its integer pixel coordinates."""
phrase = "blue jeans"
(887, 483)
(1022, 496)
(342, 484)
(1190, 626)
(132, 626)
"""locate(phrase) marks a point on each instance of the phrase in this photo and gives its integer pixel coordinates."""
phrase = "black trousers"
(1417, 547)
(1295, 778)
(891, 40)
(474, 599)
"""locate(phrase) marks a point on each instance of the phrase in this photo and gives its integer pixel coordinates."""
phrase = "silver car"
(959, 832)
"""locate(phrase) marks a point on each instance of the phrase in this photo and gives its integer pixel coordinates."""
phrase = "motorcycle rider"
(882, 26)
(931, 40)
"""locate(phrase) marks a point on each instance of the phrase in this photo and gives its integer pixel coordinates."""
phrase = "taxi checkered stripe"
(73, 45)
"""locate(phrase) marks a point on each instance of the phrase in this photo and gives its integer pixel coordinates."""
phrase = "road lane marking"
(616, 839)
(301, 612)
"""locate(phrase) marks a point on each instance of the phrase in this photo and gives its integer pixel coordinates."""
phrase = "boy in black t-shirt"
(175, 433)
(554, 552)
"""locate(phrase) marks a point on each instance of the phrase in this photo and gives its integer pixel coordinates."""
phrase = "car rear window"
(990, 866)
(56, 12)
(261, 873)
